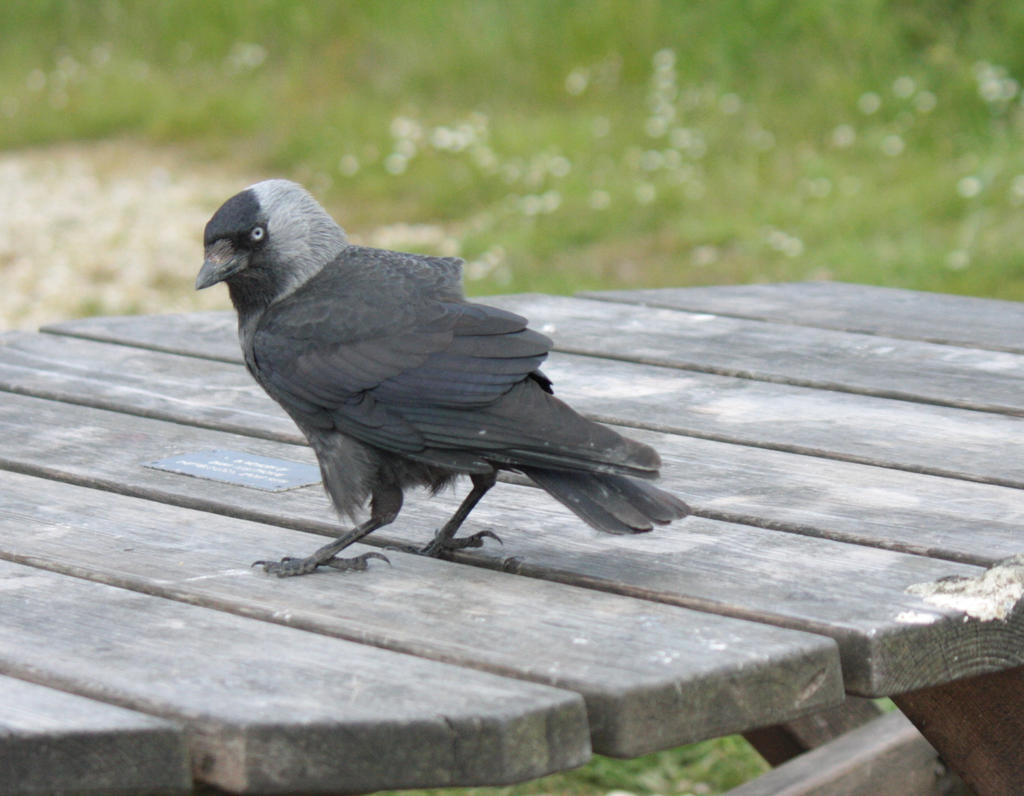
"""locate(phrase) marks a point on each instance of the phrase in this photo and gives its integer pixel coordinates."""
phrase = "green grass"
(563, 146)
(703, 768)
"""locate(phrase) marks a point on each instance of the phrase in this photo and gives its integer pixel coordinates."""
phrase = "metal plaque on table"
(245, 469)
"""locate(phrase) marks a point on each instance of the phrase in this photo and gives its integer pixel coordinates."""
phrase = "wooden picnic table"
(854, 457)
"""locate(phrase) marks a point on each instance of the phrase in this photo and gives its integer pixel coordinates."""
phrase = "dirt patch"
(105, 228)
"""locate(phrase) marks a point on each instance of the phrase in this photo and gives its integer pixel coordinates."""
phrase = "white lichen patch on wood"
(992, 595)
(917, 617)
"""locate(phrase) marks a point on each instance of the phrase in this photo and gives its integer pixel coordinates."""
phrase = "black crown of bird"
(398, 381)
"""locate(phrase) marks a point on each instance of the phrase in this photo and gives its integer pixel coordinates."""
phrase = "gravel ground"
(116, 228)
(107, 228)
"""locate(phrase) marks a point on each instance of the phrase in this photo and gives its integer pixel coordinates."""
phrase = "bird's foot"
(289, 567)
(443, 548)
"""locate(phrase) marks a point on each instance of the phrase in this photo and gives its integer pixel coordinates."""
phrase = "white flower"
(348, 165)
(892, 145)
(245, 56)
(664, 60)
(645, 193)
(903, 86)
(968, 187)
(843, 136)
(1017, 190)
(656, 126)
(869, 103)
(577, 81)
(559, 166)
(958, 259)
(703, 256)
(396, 163)
(925, 102)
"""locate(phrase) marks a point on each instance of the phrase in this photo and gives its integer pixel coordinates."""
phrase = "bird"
(398, 381)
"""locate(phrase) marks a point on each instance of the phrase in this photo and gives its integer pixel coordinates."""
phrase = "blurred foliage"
(561, 146)
(702, 768)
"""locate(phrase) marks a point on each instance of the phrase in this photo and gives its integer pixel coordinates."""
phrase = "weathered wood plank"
(853, 593)
(891, 312)
(977, 725)
(836, 499)
(845, 426)
(908, 512)
(886, 757)
(653, 676)
(55, 742)
(820, 358)
(838, 425)
(178, 333)
(272, 709)
(138, 381)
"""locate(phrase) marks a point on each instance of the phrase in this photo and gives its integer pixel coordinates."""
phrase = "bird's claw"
(476, 540)
(289, 566)
(404, 548)
(444, 548)
(357, 564)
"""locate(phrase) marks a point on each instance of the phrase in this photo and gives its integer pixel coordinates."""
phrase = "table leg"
(781, 742)
(977, 726)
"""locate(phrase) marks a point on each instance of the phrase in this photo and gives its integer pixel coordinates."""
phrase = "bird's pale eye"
(257, 234)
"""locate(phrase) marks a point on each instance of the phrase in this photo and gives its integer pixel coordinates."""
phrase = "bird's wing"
(383, 348)
(488, 352)
(319, 362)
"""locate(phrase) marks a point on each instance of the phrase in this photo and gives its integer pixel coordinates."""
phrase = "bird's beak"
(221, 261)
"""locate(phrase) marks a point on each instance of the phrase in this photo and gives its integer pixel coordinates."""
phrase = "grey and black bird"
(398, 381)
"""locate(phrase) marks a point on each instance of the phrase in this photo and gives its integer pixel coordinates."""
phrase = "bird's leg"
(384, 509)
(444, 541)
(325, 556)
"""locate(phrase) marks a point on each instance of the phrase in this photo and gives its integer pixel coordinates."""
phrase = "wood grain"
(866, 364)
(819, 447)
(738, 483)
(213, 332)
(270, 708)
(823, 423)
(138, 381)
(838, 425)
(55, 742)
(886, 757)
(890, 312)
(653, 676)
(821, 358)
(781, 742)
(889, 640)
(977, 725)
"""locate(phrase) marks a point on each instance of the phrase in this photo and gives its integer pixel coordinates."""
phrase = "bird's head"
(268, 240)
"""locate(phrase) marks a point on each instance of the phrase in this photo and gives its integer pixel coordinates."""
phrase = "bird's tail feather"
(610, 503)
